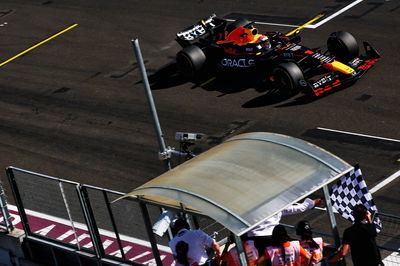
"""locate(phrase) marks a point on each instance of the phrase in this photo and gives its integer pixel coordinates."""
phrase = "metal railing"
(82, 220)
(5, 217)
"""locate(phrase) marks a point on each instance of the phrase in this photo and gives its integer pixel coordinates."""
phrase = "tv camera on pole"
(186, 140)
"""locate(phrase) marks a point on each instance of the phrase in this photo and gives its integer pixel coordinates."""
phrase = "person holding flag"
(360, 239)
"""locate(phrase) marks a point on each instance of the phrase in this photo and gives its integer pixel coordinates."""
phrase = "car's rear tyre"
(343, 46)
(287, 78)
(241, 22)
(190, 61)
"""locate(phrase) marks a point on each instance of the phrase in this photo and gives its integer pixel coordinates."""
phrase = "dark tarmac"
(75, 107)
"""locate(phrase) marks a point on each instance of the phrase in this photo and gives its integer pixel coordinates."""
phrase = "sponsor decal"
(355, 62)
(368, 64)
(239, 62)
(295, 48)
(192, 33)
(209, 21)
(322, 81)
(323, 58)
(289, 55)
(319, 91)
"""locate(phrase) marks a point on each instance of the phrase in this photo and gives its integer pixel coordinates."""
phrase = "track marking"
(385, 182)
(84, 227)
(314, 26)
(305, 24)
(207, 82)
(36, 45)
(357, 134)
(335, 14)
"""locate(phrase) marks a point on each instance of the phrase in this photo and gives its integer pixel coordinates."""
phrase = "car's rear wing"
(208, 25)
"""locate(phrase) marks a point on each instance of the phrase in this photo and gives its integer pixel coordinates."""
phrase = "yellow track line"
(208, 81)
(307, 23)
(36, 45)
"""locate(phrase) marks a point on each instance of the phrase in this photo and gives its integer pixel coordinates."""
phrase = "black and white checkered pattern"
(351, 190)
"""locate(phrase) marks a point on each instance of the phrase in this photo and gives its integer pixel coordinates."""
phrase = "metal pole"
(241, 251)
(149, 95)
(150, 100)
(4, 210)
(152, 239)
(114, 225)
(90, 221)
(18, 201)
(331, 215)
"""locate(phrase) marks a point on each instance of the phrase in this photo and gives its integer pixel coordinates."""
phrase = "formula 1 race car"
(216, 46)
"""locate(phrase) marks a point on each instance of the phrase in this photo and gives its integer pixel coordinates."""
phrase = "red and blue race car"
(217, 46)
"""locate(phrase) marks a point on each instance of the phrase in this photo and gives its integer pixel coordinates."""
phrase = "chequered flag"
(351, 190)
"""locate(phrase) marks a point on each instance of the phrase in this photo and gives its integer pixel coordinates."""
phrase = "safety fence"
(80, 224)
(83, 219)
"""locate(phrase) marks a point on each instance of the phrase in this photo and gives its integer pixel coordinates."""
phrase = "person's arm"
(304, 254)
(217, 250)
(261, 260)
(301, 207)
(369, 217)
(344, 249)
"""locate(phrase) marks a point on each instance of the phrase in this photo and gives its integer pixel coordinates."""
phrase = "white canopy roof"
(246, 179)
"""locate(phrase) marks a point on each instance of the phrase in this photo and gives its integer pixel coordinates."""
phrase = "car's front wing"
(334, 79)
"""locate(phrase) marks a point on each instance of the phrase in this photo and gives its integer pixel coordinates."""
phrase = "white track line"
(335, 14)
(385, 182)
(357, 134)
(268, 23)
(312, 26)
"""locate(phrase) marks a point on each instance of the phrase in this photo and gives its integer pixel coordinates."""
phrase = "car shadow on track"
(168, 77)
(272, 98)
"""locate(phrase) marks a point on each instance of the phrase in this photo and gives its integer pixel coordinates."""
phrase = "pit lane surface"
(75, 108)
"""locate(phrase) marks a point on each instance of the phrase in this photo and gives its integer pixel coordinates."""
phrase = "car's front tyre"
(287, 78)
(343, 46)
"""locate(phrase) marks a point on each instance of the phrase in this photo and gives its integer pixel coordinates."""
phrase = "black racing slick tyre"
(190, 61)
(343, 46)
(241, 22)
(287, 78)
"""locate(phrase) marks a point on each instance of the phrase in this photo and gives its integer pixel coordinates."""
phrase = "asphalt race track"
(75, 107)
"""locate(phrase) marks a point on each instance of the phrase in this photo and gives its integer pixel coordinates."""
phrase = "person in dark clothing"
(360, 239)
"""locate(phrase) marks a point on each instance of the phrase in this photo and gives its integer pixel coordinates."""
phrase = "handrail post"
(4, 210)
(240, 250)
(18, 201)
(152, 239)
(331, 215)
(90, 220)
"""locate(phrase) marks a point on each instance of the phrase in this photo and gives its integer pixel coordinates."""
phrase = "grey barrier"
(87, 212)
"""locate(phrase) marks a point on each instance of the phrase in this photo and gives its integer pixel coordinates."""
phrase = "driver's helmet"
(251, 30)
(244, 35)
